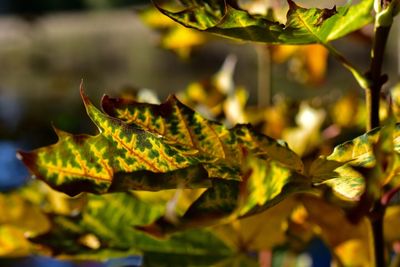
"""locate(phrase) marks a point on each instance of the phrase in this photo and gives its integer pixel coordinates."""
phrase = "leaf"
(172, 120)
(303, 26)
(23, 214)
(336, 171)
(110, 219)
(392, 224)
(222, 143)
(349, 111)
(266, 183)
(307, 63)
(262, 231)
(349, 184)
(357, 152)
(19, 220)
(150, 147)
(13, 242)
(176, 200)
(226, 201)
(353, 253)
(331, 224)
(173, 36)
(182, 40)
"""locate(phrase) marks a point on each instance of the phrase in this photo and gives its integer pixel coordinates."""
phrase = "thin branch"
(375, 76)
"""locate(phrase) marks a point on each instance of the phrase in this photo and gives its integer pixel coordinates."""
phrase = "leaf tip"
(292, 4)
(28, 158)
(60, 133)
(84, 97)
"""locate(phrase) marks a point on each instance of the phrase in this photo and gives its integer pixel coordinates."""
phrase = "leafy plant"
(211, 184)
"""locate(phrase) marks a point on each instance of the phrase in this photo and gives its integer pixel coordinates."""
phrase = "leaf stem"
(360, 78)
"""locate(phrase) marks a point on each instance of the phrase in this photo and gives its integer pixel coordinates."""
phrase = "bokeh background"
(47, 47)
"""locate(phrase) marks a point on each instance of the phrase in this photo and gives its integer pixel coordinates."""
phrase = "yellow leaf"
(259, 232)
(21, 214)
(308, 62)
(185, 198)
(315, 61)
(331, 223)
(182, 40)
(353, 253)
(152, 17)
(13, 242)
(392, 224)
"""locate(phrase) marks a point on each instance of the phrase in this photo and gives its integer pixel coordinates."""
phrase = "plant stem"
(376, 219)
(372, 98)
(373, 92)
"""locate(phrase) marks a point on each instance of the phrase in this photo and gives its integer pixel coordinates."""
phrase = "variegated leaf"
(181, 125)
(303, 26)
(266, 184)
(151, 147)
(336, 169)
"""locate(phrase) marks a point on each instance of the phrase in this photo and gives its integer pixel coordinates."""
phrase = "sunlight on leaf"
(262, 231)
(392, 224)
(173, 36)
(13, 242)
(348, 183)
(303, 26)
(353, 253)
(145, 139)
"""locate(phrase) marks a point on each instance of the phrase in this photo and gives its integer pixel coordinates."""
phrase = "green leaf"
(267, 184)
(110, 219)
(179, 124)
(303, 26)
(151, 147)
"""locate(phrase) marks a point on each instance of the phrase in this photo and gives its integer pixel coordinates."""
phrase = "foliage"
(216, 194)
(303, 26)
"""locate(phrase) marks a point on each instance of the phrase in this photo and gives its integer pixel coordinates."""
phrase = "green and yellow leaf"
(266, 185)
(105, 229)
(303, 26)
(151, 147)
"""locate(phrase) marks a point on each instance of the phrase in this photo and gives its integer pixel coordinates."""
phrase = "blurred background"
(47, 47)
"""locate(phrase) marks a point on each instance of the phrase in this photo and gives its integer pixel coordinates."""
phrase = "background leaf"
(109, 221)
